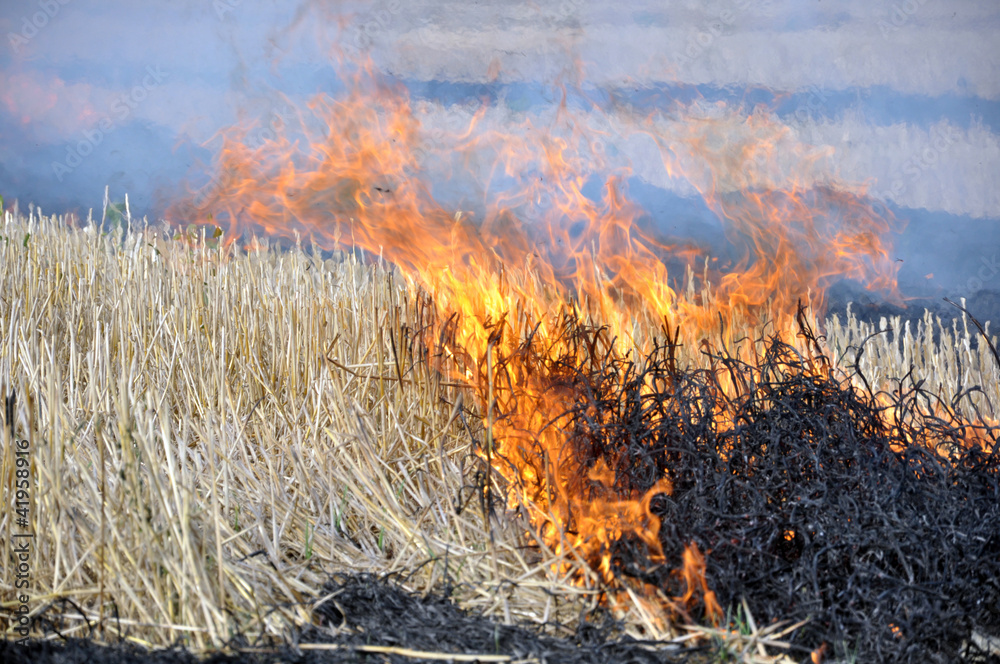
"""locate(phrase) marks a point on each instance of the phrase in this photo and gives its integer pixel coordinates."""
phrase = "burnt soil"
(366, 611)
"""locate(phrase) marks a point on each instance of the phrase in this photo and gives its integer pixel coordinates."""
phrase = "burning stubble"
(331, 400)
(514, 285)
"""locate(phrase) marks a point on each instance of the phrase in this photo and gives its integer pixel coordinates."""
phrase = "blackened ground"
(875, 523)
(364, 611)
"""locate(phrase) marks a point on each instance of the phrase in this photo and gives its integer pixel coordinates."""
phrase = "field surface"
(215, 432)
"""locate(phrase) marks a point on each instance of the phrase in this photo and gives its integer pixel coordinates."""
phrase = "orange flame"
(357, 171)
(693, 573)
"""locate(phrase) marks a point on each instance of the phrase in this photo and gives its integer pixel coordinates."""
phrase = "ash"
(876, 518)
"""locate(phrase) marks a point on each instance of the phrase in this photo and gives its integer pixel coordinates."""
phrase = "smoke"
(903, 99)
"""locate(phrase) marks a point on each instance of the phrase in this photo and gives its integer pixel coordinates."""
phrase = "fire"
(540, 250)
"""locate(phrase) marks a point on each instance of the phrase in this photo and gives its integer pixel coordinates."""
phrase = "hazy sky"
(902, 95)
